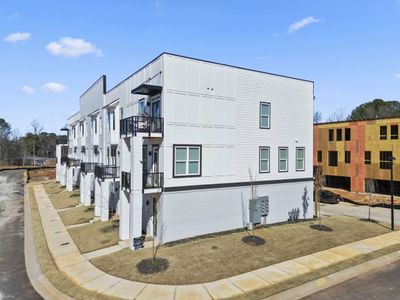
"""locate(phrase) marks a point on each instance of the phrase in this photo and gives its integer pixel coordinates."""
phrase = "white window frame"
(303, 159)
(283, 159)
(265, 159)
(187, 160)
(263, 116)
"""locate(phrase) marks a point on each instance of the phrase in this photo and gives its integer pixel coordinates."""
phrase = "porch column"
(136, 199)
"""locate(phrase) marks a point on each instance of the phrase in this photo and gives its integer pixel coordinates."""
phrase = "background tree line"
(375, 109)
(22, 150)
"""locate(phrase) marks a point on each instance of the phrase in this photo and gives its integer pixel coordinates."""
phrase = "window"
(264, 160)
(383, 132)
(385, 159)
(265, 115)
(394, 132)
(283, 159)
(347, 157)
(94, 124)
(367, 157)
(187, 160)
(113, 155)
(121, 113)
(347, 134)
(108, 120)
(319, 156)
(74, 131)
(300, 159)
(331, 132)
(339, 134)
(144, 158)
(333, 158)
(141, 106)
(82, 129)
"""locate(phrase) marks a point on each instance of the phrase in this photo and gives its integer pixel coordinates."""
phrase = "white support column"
(124, 215)
(97, 197)
(136, 199)
(105, 199)
(69, 186)
(82, 188)
(89, 186)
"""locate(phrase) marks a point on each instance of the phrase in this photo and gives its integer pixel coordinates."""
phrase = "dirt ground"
(365, 198)
(41, 174)
(227, 255)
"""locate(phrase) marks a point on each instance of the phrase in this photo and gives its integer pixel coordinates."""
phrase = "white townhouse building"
(194, 141)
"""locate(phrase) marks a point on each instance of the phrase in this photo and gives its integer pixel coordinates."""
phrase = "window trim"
(287, 159)
(304, 159)
(174, 146)
(269, 117)
(259, 159)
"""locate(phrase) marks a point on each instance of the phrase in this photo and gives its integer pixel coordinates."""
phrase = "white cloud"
(71, 47)
(54, 87)
(17, 37)
(27, 89)
(301, 24)
(397, 76)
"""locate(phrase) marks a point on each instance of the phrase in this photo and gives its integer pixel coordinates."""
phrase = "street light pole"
(391, 191)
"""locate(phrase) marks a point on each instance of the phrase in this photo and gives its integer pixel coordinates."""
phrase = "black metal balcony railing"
(64, 159)
(72, 162)
(135, 124)
(102, 172)
(88, 167)
(153, 180)
(126, 181)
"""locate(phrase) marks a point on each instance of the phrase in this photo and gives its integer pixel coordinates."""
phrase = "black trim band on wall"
(232, 184)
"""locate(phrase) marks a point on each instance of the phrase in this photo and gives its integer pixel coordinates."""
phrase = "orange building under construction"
(356, 155)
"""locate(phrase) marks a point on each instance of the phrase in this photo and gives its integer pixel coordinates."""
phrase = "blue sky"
(51, 51)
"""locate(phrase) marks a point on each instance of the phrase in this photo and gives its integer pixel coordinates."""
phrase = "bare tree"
(317, 117)
(318, 186)
(37, 128)
(337, 116)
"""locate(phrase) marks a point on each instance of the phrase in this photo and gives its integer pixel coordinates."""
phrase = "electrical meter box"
(255, 211)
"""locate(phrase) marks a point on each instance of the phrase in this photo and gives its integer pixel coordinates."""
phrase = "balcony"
(126, 181)
(153, 180)
(64, 159)
(88, 167)
(71, 162)
(104, 172)
(135, 124)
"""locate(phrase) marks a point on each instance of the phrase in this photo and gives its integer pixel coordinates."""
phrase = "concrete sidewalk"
(74, 265)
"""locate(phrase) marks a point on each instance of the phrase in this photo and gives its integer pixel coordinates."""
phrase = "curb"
(330, 280)
(38, 280)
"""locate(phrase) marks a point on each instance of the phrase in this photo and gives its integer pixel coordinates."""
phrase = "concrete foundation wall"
(197, 212)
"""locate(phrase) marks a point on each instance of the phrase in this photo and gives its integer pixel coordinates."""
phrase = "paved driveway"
(14, 283)
(360, 211)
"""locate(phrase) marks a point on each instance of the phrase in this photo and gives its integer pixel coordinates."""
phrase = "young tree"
(5, 131)
(337, 116)
(318, 186)
(37, 128)
(317, 117)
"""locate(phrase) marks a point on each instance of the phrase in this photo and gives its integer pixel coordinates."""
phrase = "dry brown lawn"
(77, 215)
(222, 256)
(60, 197)
(47, 266)
(94, 236)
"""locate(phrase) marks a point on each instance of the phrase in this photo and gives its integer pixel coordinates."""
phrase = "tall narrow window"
(264, 160)
(394, 132)
(300, 159)
(265, 115)
(331, 133)
(319, 156)
(339, 134)
(385, 158)
(141, 107)
(113, 120)
(283, 159)
(347, 157)
(187, 160)
(333, 158)
(383, 132)
(347, 134)
(121, 113)
(367, 157)
(109, 120)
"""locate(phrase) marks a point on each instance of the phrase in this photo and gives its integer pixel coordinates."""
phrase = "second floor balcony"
(133, 125)
(153, 180)
(71, 162)
(126, 181)
(102, 172)
(88, 167)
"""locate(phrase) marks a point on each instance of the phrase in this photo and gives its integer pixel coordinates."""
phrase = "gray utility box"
(258, 207)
